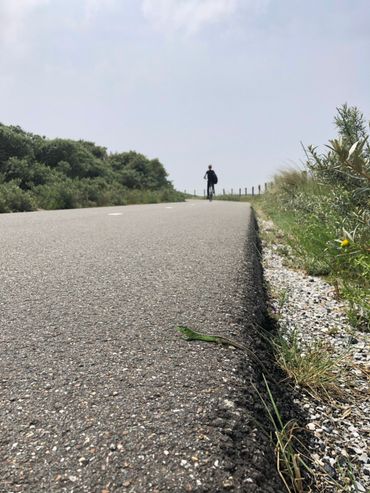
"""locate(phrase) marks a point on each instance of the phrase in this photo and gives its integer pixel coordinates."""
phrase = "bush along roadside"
(39, 173)
(326, 361)
(324, 212)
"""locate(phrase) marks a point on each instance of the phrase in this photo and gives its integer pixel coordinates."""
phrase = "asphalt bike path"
(99, 392)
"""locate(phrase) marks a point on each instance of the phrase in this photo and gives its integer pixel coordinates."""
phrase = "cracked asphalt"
(99, 393)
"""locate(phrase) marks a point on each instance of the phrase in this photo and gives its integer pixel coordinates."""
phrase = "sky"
(238, 84)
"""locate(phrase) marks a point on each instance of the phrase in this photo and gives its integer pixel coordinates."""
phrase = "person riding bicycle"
(211, 178)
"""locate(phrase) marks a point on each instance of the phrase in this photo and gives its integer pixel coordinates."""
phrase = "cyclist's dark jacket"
(211, 176)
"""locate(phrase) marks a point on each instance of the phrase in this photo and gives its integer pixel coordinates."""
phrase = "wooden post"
(265, 187)
(245, 191)
(259, 189)
(252, 191)
(223, 191)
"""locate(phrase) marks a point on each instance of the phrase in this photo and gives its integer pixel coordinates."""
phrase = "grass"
(236, 197)
(324, 211)
(323, 214)
(311, 243)
(311, 366)
(292, 457)
(326, 377)
(282, 298)
(289, 461)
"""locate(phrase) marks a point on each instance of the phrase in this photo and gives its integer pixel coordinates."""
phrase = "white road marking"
(168, 207)
(115, 214)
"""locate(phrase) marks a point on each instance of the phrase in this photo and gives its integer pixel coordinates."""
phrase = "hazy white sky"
(235, 83)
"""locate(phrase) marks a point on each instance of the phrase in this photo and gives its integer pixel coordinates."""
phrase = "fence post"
(259, 189)
(240, 192)
(265, 187)
(232, 191)
(223, 191)
(245, 191)
(252, 191)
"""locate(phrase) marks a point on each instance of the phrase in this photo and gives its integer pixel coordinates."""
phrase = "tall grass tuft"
(311, 366)
(289, 462)
(293, 459)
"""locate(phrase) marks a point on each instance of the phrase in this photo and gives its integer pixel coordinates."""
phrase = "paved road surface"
(98, 391)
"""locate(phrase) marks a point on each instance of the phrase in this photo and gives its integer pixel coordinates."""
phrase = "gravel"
(339, 427)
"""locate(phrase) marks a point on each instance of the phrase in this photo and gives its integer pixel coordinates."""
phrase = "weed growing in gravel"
(282, 298)
(292, 457)
(289, 462)
(310, 366)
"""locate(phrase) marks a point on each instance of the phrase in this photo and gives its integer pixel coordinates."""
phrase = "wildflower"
(344, 243)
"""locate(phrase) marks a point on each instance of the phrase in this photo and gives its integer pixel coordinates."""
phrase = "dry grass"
(313, 367)
(289, 461)
(292, 457)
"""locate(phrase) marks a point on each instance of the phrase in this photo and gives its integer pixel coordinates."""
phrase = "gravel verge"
(338, 426)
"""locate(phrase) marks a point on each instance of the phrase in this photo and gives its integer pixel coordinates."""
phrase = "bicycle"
(212, 179)
(211, 193)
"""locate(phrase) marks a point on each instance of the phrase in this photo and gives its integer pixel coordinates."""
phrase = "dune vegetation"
(324, 211)
(40, 173)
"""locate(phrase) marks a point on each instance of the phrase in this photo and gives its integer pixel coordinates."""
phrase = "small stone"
(330, 470)
(219, 422)
(228, 404)
(359, 487)
(228, 484)
(352, 340)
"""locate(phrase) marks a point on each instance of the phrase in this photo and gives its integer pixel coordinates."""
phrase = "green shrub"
(62, 174)
(14, 199)
(325, 211)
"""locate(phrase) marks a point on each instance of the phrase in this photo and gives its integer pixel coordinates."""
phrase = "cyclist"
(211, 178)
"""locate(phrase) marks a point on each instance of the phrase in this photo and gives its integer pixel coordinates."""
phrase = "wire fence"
(255, 190)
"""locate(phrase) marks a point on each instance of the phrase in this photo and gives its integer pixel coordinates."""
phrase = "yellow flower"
(344, 243)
